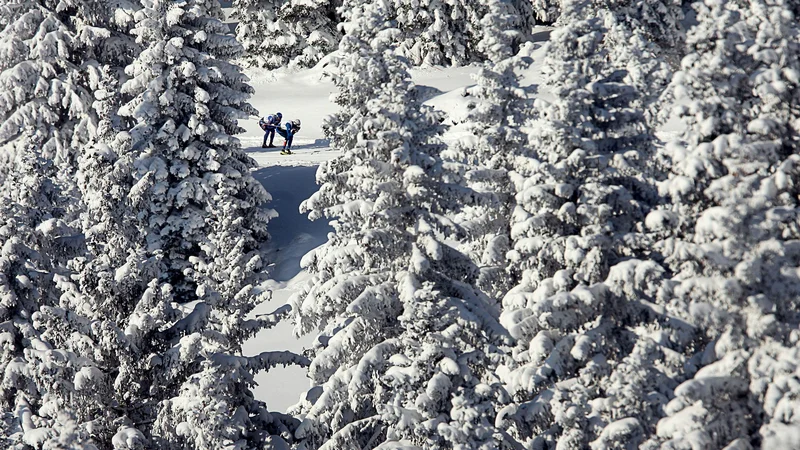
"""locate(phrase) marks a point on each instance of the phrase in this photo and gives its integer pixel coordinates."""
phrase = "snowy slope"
(305, 95)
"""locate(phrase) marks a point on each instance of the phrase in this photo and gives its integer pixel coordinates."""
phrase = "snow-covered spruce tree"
(281, 33)
(594, 359)
(174, 227)
(775, 77)
(731, 235)
(405, 351)
(546, 11)
(713, 70)
(647, 53)
(108, 52)
(644, 37)
(659, 21)
(56, 54)
(708, 95)
(37, 389)
(435, 32)
(53, 55)
(499, 37)
(43, 103)
(480, 159)
(257, 19)
(731, 282)
(351, 61)
(587, 180)
(10, 11)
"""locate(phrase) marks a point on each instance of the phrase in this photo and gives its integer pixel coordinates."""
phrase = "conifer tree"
(730, 232)
(498, 108)
(54, 55)
(582, 311)
(43, 102)
(644, 37)
(288, 33)
(441, 33)
(37, 392)
(591, 151)
(547, 11)
(174, 223)
(405, 354)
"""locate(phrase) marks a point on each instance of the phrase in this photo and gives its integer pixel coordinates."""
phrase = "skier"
(269, 124)
(288, 133)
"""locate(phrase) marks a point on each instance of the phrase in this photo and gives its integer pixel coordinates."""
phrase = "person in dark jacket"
(269, 124)
(291, 128)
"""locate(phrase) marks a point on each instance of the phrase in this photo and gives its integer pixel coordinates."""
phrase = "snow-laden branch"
(268, 360)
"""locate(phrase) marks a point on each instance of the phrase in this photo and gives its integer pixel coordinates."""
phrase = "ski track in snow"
(293, 235)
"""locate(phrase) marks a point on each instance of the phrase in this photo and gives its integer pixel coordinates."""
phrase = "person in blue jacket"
(291, 128)
(269, 124)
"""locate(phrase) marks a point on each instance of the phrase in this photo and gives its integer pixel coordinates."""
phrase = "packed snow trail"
(293, 235)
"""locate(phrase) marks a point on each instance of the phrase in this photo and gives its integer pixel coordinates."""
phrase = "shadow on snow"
(293, 235)
(317, 144)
